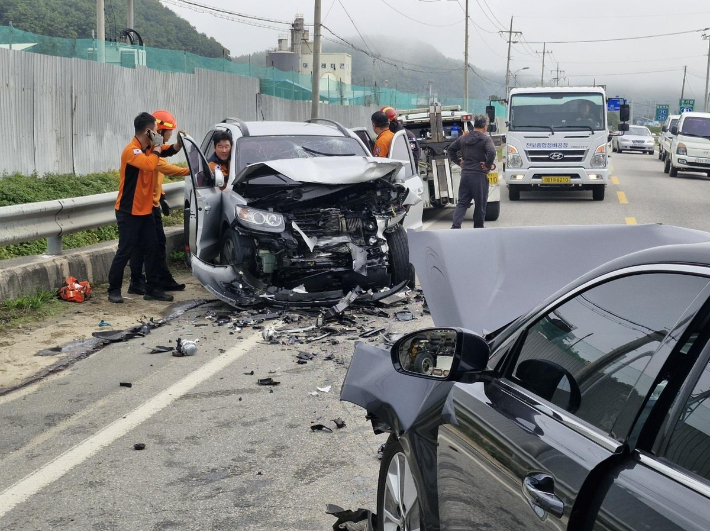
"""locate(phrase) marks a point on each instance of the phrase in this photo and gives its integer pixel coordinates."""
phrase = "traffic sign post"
(661, 112)
(686, 106)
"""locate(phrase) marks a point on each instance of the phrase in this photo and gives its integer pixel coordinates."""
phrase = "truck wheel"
(672, 170)
(423, 364)
(660, 154)
(513, 193)
(598, 192)
(399, 255)
(492, 211)
(667, 166)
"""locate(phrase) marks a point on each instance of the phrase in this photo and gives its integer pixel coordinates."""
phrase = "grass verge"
(28, 309)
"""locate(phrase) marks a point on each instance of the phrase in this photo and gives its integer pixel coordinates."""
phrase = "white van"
(690, 149)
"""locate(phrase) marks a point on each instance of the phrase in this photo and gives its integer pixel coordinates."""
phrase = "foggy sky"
(628, 68)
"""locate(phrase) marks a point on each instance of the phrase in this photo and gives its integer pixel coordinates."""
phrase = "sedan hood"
(482, 279)
(326, 170)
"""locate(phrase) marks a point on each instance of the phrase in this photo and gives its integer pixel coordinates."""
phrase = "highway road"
(220, 451)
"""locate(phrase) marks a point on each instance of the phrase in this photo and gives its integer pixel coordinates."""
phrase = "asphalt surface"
(222, 452)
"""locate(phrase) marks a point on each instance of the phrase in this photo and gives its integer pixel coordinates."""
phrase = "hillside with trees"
(74, 19)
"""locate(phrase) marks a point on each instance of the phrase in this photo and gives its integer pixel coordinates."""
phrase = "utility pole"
(682, 90)
(544, 53)
(315, 84)
(465, 60)
(131, 21)
(707, 74)
(507, 65)
(100, 31)
(557, 77)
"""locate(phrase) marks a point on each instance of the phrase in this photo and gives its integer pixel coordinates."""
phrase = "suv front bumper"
(557, 177)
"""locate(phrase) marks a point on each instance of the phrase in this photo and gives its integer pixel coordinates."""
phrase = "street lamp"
(515, 74)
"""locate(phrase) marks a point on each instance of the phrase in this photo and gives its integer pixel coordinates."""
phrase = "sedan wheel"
(397, 497)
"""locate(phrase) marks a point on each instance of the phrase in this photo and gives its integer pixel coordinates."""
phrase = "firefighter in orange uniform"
(166, 124)
(134, 209)
(381, 127)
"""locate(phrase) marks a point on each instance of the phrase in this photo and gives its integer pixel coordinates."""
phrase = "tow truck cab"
(557, 140)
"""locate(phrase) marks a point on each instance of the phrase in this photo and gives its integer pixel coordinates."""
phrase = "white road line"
(42, 477)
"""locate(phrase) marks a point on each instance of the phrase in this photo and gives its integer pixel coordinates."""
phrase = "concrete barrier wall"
(64, 115)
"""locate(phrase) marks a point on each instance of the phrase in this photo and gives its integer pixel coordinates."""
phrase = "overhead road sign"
(686, 106)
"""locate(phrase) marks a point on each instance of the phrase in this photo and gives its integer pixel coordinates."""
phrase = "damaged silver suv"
(306, 214)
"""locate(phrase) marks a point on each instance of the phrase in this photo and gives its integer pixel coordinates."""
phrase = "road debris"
(139, 446)
(339, 423)
(126, 384)
(360, 519)
(268, 381)
(249, 372)
(321, 428)
(324, 389)
(404, 315)
(185, 348)
(372, 332)
(103, 323)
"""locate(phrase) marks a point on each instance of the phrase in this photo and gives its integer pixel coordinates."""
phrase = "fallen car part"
(349, 516)
(322, 428)
(324, 389)
(115, 336)
(139, 446)
(268, 381)
(126, 384)
(339, 423)
(337, 310)
(404, 315)
(160, 349)
(372, 332)
(185, 348)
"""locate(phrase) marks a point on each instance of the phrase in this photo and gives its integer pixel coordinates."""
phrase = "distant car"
(307, 213)
(666, 138)
(690, 145)
(580, 401)
(637, 138)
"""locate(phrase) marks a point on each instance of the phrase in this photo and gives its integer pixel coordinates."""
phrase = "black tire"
(672, 170)
(399, 255)
(412, 277)
(618, 150)
(667, 166)
(423, 364)
(393, 449)
(660, 154)
(613, 149)
(513, 193)
(492, 211)
(232, 250)
(598, 192)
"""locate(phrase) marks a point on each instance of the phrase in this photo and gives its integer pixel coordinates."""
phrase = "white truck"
(435, 128)
(557, 139)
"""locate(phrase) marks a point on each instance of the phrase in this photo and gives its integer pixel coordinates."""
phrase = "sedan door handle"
(539, 490)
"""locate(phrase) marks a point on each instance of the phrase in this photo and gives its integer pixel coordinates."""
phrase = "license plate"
(555, 179)
(493, 178)
(702, 161)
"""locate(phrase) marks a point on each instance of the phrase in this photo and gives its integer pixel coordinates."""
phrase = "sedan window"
(593, 355)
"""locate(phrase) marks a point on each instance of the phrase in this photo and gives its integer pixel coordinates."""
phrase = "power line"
(622, 38)
(232, 13)
(419, 21)
(218, 14)
(502, 26)
(473, 21)
(625, 73)
(664, 15)
(329, 10)
(496, 26)
(354, 25)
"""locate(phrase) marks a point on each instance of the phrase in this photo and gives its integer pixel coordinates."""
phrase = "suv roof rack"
(240, 124)
(338, 126)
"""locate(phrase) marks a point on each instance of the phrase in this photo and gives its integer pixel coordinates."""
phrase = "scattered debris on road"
(360, 519)
(321, 428)
(268, 381)
(339, 423)
(185, 348)
(126, 384)
(139, 446)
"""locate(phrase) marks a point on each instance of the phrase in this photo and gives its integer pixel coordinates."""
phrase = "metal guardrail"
(56, 218)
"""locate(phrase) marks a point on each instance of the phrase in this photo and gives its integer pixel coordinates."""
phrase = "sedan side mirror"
(218, 177)
(674, 130)
(441, 353)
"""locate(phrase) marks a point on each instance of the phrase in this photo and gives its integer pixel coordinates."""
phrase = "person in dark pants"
(134, 209)
(478, 154)
(166, 124)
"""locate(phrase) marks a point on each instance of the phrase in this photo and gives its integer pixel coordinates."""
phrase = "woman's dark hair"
(395, 126)
(219, 136)
(379, 119)
(143, 121)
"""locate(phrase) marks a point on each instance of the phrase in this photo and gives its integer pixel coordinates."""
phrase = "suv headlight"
(599, 157)
(681, 149)
(260, 220)
(514, 159)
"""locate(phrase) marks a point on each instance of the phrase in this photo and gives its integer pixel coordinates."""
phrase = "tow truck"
(432, 127)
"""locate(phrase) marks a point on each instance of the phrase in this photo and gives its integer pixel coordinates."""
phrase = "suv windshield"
(568, 111)
(639, 131)
(696, 126)
(259, 149)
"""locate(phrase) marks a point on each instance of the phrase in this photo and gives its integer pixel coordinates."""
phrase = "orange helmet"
(390, 112)
(164, 120)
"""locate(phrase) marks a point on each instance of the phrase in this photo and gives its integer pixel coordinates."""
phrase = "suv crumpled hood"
(327, 170)
(482, 279)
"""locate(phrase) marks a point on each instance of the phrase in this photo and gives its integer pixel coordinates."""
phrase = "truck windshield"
(696, 126)
(568, 111)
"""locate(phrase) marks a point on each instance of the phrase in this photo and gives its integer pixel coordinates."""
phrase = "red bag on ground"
(76, 291)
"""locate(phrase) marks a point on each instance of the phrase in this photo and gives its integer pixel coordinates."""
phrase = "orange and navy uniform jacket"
(382, 144)
(137, 179)
(165, 168)
(223, 166)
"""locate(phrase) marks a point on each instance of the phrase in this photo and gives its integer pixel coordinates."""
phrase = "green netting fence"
(288, 85)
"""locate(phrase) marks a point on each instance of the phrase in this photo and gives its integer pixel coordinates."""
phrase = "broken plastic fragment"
(139, 446)
(324, 389)
(160, 349)
(249, 372)
(404, 315)
(268, 381)
(125, 384)
(372, 332)
(348, 519)
(339, 423)
(315, 394)
(103, 323)
(322, 428)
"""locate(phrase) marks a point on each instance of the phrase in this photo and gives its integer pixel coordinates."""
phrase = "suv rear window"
(259, 149)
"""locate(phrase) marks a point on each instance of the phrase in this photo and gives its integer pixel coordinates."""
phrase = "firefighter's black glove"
(164, 206)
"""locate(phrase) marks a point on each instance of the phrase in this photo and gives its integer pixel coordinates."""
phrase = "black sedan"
(565, 386)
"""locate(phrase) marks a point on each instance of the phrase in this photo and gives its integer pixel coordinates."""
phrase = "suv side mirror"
(218, 177)
(674, 130)
(624, 112)
(440, 353)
